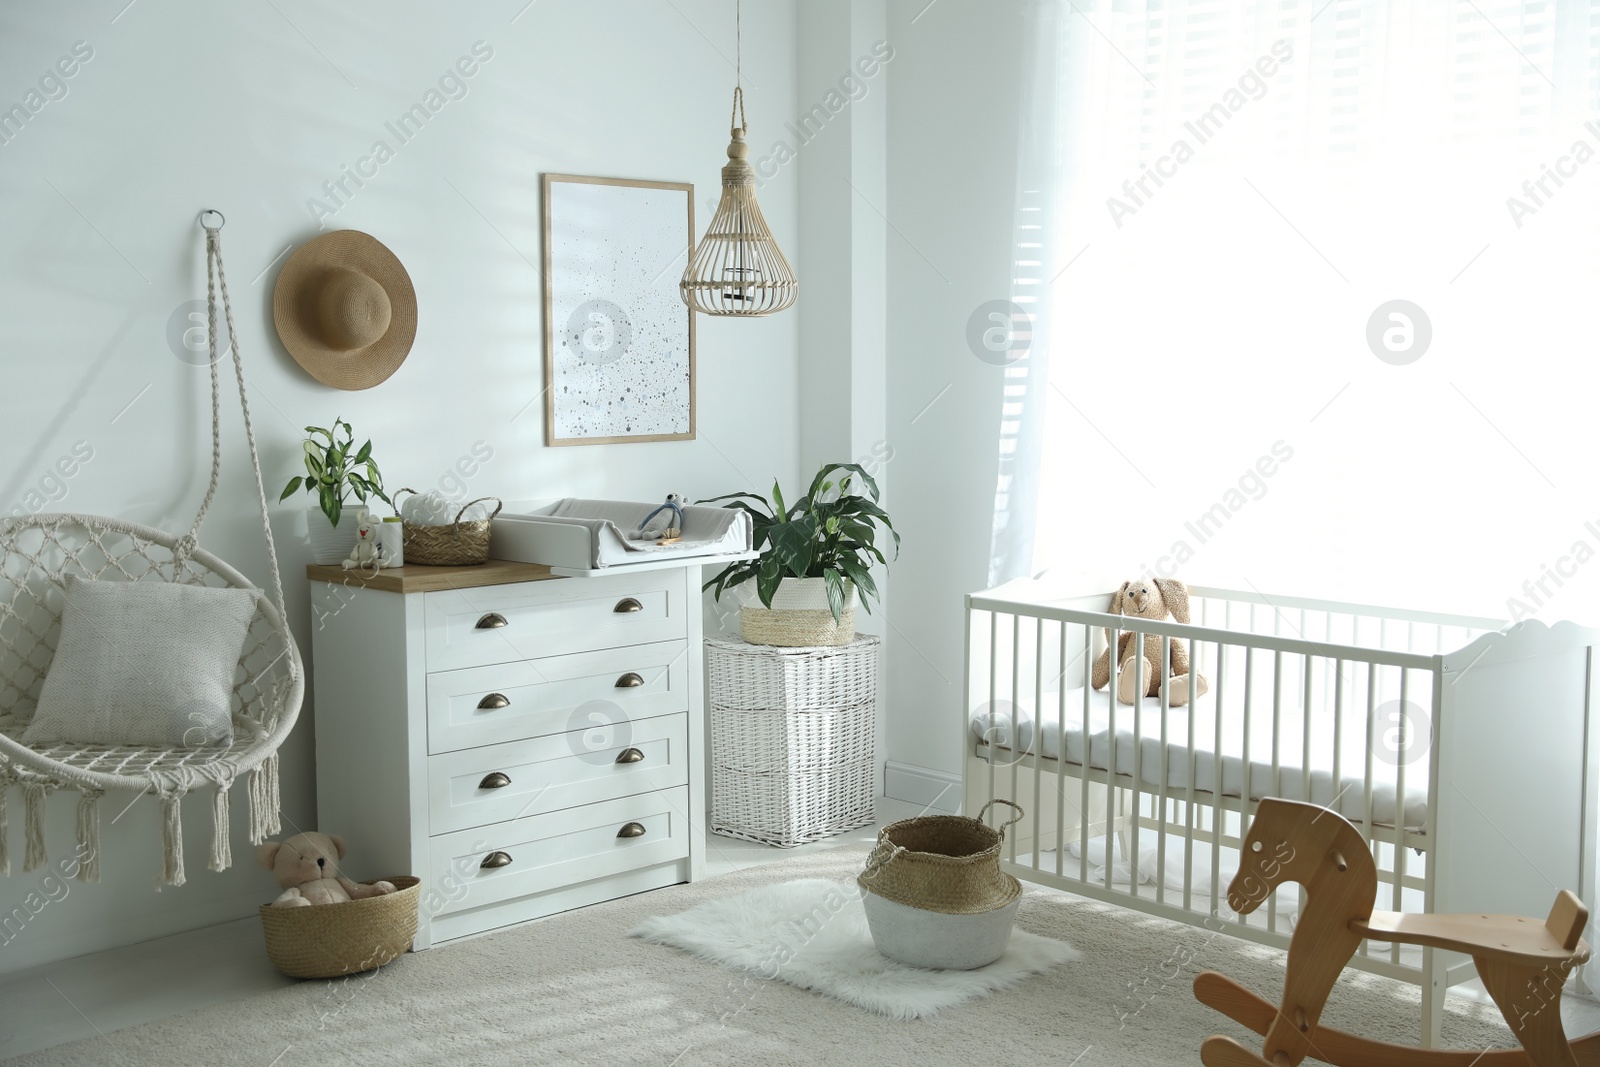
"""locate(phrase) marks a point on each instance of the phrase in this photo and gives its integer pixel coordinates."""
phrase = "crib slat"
(1277, 754)
(1161, 816)
(1400, 802)
(1111, 761)
(994, 684)
(1367, 829)
(1061, 756)
(1139, 683)
(1016, 712)
(1218, 816)
(1083, 769)
(1038, 731)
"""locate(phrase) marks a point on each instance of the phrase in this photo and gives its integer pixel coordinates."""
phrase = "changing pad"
(588, 534)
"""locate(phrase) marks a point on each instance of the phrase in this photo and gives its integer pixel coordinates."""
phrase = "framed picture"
(619, 341)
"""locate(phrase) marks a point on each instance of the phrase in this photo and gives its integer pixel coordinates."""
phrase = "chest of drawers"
(523, 743)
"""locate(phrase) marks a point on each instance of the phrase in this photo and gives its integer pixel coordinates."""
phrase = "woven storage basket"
(792, 740)
(799, 616)
(329, 940)
(944, 863)
(456, 544)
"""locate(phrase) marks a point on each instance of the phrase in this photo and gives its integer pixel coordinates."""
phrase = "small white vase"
(799, 617)
(332, 544)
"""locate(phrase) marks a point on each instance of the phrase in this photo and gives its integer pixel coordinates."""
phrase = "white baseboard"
(938, 790)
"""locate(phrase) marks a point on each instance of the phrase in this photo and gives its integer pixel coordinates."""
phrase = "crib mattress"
(1194, 731)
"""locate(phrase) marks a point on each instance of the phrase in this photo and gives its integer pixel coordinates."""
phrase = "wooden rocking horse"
(1522, 963)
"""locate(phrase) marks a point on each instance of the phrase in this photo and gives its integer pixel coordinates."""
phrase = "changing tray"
(583, 535)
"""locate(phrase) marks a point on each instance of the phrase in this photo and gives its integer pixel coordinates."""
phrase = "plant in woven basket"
(336, 470)
(830, 533)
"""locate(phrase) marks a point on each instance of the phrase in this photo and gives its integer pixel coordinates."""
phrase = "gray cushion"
(143, 663)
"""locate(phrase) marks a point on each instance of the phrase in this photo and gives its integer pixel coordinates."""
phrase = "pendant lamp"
(738, 269)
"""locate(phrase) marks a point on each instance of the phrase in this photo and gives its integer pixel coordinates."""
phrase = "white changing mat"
(1347, 796)
(546, 534)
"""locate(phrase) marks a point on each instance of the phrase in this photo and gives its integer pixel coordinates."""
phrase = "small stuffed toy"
(664, 525)
(1151, 600)
(307, 867)
(365, 554)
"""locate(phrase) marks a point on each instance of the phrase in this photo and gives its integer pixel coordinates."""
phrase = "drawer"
(544, 852)
(479, 786)
(532, 620)
(535, 698)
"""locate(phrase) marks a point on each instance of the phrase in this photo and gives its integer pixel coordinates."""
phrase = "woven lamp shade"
(738, 269)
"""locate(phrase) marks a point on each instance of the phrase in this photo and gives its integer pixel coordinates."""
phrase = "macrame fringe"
(263, 791)
(221, 850)
(5, 829)
(33, 798)
(89, 836)
(172, 838)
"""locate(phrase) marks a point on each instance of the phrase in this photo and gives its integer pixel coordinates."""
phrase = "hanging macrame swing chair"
(38, 553)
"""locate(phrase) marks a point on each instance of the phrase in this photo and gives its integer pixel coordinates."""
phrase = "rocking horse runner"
(1522, 962)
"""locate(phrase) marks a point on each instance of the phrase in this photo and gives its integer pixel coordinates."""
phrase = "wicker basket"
(944, 863)
(457, 544)
(329, 940)
(792, 740)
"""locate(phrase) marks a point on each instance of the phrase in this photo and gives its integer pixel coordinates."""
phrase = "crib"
(1460, 747)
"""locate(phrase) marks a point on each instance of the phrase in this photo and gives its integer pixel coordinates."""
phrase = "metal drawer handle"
(495, 859)
(497, 780)
(627, 606)
(631, 680)
(492, 621)
(630, 755)
(494, 702)
(632, 829)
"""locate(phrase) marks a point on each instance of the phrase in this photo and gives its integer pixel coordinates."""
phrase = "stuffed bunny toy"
(365, 552)
(307, 867)
(1153, 599)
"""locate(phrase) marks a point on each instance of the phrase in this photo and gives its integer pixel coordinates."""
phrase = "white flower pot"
(332, 544)
(799, 616)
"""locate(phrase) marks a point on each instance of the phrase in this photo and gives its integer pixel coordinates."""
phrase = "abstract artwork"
(619, 341)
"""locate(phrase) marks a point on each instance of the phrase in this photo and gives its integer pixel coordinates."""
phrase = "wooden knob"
(631, 680)
(630, 755)
(497, 780)
(627, 606)
(632, 829)
(495, 859)
(494, 702)
(492, 621)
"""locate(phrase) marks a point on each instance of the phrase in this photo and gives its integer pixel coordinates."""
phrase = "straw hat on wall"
(345, 309)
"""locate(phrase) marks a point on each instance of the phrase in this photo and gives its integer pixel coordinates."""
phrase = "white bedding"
(1348, 796)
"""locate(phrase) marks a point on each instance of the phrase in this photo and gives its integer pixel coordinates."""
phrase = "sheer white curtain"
(1255, 216)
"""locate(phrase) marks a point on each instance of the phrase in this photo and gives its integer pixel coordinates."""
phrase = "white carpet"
(813, 934)
(577, 990)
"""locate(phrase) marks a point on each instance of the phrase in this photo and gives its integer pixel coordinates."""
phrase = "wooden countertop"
(415, 578)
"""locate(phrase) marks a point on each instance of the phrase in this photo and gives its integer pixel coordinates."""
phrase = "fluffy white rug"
(813, 934)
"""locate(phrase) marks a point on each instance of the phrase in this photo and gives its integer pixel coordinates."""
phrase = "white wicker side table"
(792, 739)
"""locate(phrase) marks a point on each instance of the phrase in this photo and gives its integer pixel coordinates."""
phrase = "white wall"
(952, 128)
(251, 108)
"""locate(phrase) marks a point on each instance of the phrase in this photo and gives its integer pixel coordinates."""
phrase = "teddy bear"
(1153, 599)
(307, 867)
(365, 552)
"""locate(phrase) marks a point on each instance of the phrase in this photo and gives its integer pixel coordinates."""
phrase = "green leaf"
(862, 576)
(795, 544)
(777, 496)
(365, 453)
(836, 594)
(290, 489)
(767, 581)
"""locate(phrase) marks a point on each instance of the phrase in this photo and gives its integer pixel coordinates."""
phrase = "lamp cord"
(738, 121)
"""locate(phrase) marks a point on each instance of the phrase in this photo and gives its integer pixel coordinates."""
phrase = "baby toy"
(365, 553)
(1150, 600)
(307, 867)
(664, 525)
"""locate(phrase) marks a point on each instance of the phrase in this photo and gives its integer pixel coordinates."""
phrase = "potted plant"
(336, 471)
(816, 560)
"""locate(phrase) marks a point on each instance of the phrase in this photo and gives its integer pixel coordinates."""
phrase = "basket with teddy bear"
(323, 925)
